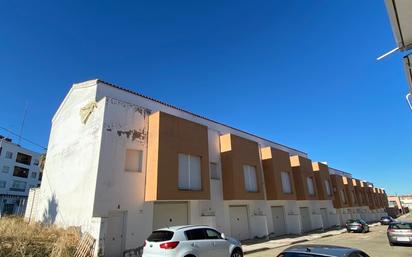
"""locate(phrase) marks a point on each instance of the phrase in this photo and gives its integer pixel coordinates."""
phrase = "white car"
(191, 241)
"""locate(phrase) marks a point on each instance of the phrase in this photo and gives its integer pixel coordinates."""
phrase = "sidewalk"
(252, 246)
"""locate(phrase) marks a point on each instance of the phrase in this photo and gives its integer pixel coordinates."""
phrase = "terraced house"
(121, 164)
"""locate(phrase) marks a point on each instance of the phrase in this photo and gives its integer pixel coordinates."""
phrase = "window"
(3, 184)
(196, 234)
(20, 172)
(34, 175)
(286, 188)
(36, 162)
(189, 172)
(160, 236)
(23, 158)
(213, 234)
(352, 195)
(40, 175)
(327, 188)
(342, 196)
(249, 173)
(18, 186)
(214, 173)
(134, 159)
(311, 189)
(9, 155)
(5, 169)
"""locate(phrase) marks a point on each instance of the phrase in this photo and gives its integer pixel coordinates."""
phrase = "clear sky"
(302, 73)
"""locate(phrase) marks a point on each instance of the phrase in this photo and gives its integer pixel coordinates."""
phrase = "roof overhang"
(400, 14)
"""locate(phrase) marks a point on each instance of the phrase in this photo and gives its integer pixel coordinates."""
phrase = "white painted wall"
(70, 171)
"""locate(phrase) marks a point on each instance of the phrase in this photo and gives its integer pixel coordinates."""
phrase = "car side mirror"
(223, 236)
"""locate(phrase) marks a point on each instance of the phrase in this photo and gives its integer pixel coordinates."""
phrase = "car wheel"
(391, 244)
(237, 253)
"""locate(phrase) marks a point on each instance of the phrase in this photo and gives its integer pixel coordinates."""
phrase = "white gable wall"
(69, 177)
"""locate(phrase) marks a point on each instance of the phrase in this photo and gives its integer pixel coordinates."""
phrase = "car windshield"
(160, 236)
(353, 221)
(401, 226)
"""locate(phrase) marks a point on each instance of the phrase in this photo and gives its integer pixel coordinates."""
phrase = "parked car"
(191, 241)
(357, 225)
(385, 220)
(399, 233)
(321, 250)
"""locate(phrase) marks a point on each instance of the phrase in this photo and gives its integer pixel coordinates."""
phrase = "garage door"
(325, 220)
(278, 216)
(169, 214)
(239, 222)
(305, 219)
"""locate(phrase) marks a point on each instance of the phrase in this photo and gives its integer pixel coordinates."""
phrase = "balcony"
(350, 191)
(304, 178)
(176, 147)
(323, 181)
(278, 174)
(340, 199)
(241, 168)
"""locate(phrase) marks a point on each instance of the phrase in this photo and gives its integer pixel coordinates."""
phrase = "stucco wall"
(69, 178)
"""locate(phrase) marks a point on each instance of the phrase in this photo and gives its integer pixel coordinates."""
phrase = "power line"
(25, 139)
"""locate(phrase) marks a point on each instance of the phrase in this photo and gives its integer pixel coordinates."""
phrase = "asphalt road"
(374, 243)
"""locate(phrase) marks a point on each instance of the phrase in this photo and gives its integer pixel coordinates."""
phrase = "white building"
(19, 172)
(120, 164)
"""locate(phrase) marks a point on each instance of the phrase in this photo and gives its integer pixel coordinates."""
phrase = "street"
(373, 243)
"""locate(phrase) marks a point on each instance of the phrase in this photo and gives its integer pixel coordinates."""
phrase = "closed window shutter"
(309, 182)
(183, 171)
(189, 172)
(285, 183)
(249, 173)
(195, 181)
(327, 186)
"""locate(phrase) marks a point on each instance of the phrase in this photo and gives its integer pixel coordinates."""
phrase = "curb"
(337, 232)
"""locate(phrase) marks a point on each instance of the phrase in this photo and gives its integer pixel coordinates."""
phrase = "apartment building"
(18, 173)
(121, 164)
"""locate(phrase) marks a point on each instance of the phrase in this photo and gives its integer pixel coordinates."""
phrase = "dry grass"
(20, 239)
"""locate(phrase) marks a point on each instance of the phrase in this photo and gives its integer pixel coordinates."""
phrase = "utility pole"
(22, 123)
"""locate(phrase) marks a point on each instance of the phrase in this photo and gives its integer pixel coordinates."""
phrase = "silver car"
(400, 233)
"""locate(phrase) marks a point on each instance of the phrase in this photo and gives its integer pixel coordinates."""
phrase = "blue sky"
(302, 73)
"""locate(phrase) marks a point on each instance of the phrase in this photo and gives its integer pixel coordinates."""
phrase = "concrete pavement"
(374, 243)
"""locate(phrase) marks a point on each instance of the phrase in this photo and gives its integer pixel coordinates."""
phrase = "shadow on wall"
(49, 215)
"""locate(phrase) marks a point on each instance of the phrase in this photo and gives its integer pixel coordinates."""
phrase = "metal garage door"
(278, 217)
(169, 214)
(305, 219)
(239, 222)
(324, 214)
(114, 243)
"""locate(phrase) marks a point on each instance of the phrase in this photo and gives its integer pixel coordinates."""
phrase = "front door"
(115, 236)
(278, 216)
(239, 222)
(305, 219)
(325, 220)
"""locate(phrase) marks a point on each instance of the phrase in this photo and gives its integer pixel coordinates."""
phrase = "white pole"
(388, 53)
(409, 100)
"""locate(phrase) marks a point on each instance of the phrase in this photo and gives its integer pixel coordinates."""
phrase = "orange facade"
(302, 175)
